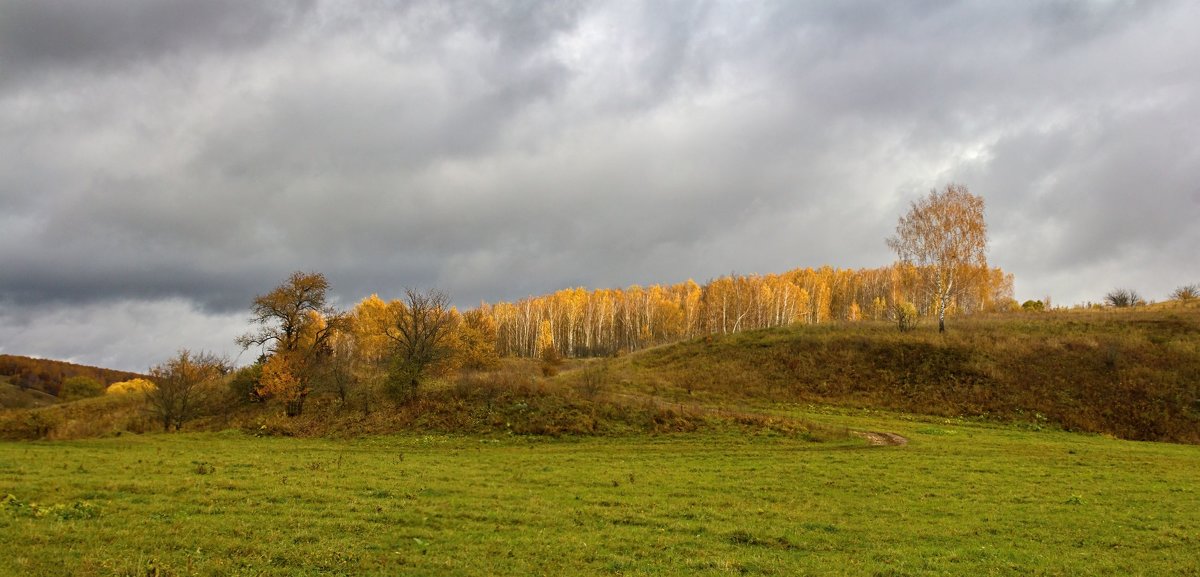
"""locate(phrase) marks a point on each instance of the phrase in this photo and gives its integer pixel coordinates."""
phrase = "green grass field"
(959, 499)
(687, 467)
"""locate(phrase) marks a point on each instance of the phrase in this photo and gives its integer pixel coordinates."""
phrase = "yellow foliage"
(311, 330)
(545, 336)
(477, 341)
(369, 324)
(279, 379)
(130, 386)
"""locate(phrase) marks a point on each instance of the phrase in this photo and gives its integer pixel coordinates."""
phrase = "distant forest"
(47, 376)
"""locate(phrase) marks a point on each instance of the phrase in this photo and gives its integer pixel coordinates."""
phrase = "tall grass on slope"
(1135, 375)
(504, 402)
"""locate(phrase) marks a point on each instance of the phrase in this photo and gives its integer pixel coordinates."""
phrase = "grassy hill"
(1132, 374)
(1129, 374)
(14, 397)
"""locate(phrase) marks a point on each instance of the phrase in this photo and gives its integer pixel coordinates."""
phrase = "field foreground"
(958, 499)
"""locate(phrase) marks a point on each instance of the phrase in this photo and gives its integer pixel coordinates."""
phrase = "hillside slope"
(14, 397)
(1135, 375)
(47, 375)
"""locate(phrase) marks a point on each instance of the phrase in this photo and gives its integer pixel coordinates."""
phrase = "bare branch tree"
(422, 333)
(1186, 293)
(1122, 298)
(174, 400)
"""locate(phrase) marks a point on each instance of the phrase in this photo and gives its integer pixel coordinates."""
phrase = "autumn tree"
(284, 315)
(362, 358)
(423, 337)
(944, 236)
(296, 326)
(547, 351)
(175, 398)
(601, 322)
(477, 337)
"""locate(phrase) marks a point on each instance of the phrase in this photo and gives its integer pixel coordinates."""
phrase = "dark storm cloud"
(170, 160)
(41, 37)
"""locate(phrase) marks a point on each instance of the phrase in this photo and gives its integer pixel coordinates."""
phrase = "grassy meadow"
(739, 454)
(959, 499)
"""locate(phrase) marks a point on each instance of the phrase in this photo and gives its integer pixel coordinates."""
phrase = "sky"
(164, 161)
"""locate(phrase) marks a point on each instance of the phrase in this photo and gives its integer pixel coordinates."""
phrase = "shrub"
(80, 388)
(1033, 306)
(1187, 293)
(593, 379)
(1123, 298)
(130, 386)
(551, 361)
(906, 316)
(245, 383)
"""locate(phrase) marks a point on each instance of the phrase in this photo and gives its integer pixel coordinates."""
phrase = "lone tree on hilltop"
(944, 237)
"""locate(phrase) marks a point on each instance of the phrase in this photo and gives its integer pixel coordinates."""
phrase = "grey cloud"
(189, 153)
(130, 335)
(81, 37)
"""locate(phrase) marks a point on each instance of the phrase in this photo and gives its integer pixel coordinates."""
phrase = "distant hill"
(13, 397)
(47, 376)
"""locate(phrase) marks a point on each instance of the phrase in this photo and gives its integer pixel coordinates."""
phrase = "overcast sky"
(164, 161)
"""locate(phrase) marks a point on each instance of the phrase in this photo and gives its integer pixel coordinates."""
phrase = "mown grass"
(959, 499)
(1134, 374)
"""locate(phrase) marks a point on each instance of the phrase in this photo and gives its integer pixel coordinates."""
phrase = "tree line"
(578, 322)
(390, 348)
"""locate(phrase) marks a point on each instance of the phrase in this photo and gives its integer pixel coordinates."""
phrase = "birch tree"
(944, 236)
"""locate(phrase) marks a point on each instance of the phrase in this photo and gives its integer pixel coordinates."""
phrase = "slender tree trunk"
(943, 302)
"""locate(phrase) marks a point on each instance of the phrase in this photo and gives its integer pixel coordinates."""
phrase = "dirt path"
(881, 439)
